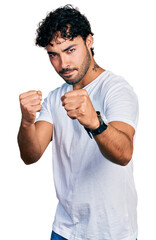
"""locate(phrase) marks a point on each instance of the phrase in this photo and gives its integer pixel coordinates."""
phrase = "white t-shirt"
(97, 198)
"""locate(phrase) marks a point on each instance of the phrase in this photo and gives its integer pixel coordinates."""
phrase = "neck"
(93, 72)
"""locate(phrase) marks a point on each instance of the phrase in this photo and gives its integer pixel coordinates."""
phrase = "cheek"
(78, 58)
(55, 64)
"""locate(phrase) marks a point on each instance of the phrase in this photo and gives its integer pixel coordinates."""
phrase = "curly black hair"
(68, 21)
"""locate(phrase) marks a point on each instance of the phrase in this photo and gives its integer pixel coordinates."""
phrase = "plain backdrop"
(124, 42)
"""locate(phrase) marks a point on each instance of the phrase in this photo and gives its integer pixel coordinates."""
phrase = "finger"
(79, 92)
(26, 94)
(39, 93)
(62, 98)
(68, 100)
(71, 106)
(34, 102)
(77, 100)
(76, 92)
(72, 114)
(36, 108)
(30, 98)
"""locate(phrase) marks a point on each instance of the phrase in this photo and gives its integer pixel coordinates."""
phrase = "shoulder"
(109, 83)
(112, 80)
(121, 101)
(117, 85)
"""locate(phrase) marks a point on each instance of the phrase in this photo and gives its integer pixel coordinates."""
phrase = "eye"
(52, 55)
(71, 50)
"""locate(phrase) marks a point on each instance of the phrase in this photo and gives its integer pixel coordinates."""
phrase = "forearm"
(115, 145)
(30, 149)
(116, 142)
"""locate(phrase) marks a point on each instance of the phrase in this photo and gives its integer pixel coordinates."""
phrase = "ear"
(89, 41)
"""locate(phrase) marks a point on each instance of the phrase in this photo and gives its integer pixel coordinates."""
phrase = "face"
(70, 58)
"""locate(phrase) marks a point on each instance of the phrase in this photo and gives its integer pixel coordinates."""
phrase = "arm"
(33, 138)
(116, 142)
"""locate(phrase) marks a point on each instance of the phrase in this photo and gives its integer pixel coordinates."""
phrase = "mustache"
(64, 70)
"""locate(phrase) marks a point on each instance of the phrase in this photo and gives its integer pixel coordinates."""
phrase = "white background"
(124, 43)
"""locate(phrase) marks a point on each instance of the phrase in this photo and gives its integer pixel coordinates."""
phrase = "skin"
(73, 61)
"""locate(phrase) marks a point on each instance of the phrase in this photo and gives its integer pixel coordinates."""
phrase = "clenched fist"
(79, 106)
(30, 104)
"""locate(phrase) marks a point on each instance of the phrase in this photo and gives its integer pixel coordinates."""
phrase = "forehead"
(61, 43)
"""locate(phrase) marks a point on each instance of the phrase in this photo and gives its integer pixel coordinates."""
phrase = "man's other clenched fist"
(30, 104)
(79, 106)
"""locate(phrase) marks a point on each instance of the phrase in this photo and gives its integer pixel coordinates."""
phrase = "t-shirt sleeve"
(45, 113)
(122, 104)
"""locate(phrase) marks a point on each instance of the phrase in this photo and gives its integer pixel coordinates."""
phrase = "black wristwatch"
(103, 126)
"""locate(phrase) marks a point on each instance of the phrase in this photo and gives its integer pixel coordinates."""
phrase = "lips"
(69, 72)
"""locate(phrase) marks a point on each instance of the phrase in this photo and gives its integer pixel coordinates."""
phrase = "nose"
(64, 61)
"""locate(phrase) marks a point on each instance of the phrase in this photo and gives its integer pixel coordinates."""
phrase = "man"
(91, 120)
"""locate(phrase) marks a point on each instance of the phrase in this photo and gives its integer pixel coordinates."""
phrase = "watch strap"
(103, 126)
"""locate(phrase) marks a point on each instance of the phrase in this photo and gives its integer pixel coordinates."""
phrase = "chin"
(72, 82)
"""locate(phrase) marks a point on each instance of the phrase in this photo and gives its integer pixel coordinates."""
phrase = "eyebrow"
(73, 45)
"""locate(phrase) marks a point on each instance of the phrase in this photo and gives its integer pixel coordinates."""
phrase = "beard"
(81, 71)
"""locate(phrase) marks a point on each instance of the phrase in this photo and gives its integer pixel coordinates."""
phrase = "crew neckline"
(94, 81)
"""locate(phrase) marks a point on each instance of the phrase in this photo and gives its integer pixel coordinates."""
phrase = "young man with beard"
(91, 120)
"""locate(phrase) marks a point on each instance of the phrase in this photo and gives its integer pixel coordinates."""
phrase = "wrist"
(103, 124)
(26, 124)
(95, 124)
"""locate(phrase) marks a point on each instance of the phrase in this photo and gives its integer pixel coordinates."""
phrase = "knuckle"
(71, 115)
(20, 96)
(35, 96)
(81, 111)
(65, 107)
(39, 92)
(64, 101)
(65, 95)
(27, 108)
(22, 102)
(68, 113)
(39, 101)
(84, 97)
